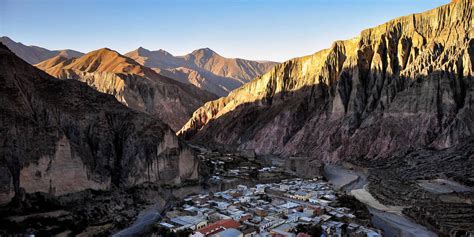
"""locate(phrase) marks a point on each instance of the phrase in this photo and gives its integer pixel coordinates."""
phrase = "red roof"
(301, 234)
(218, 226)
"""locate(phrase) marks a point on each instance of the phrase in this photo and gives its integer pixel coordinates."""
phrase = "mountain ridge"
(359, 88)
(207, 69)
(134, 85)
(35, 54)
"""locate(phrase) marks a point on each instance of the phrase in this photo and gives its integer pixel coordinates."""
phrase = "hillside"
(61, 137)
(132, 84)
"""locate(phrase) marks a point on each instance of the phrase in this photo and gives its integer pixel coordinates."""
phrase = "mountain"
(396, 87)
(203, 68)
(61, 137)
(35, 54)
(134, 85)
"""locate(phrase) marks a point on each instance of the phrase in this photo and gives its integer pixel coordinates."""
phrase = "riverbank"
(388, 218)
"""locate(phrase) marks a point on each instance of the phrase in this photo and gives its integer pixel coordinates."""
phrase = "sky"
(253, 29)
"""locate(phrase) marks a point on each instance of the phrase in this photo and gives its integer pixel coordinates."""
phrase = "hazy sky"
(253, 29)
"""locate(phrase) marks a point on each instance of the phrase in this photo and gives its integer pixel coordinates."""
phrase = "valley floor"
(388, 218)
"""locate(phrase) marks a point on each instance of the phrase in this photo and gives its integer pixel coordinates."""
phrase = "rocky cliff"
(203, 68)
(404, 84)
(61, 136)
(132, 84)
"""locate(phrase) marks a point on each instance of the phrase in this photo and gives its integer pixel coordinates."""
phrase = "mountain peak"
(6, 39)
(206, 51)
(141, 50)
(104, 53)
(164, 52)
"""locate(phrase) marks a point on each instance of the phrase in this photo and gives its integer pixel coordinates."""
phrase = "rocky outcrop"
(401, 85)
(203, 68)
(35, 54)
(138, 87)
(61, 137)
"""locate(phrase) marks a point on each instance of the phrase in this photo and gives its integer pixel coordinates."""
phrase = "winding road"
(145, 221)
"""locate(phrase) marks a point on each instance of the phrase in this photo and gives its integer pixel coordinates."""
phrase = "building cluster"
(242, 166)
(275, 209)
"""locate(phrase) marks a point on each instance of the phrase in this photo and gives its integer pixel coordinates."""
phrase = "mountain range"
(34, 54)
(203, 68)
(134, 85)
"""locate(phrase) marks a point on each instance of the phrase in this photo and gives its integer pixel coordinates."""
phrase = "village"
(290, 208)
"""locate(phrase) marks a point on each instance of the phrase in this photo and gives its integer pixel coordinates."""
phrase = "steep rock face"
(404, 84)
(35, 54)
(203, 68)
(138, 87)
(61, 136)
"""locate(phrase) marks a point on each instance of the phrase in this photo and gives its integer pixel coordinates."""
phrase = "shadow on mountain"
(375, 118)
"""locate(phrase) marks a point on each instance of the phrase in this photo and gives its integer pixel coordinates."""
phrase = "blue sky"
(253, 29)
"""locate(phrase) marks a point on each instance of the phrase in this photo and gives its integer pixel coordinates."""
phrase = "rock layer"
(61, 136)
(404, 84)
(203, 68)
(138, 87)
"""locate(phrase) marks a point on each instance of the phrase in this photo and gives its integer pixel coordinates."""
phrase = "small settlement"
(275, 209)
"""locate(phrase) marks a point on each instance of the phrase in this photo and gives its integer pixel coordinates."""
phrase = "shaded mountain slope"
(401, 85)
(35, 54)
(134, 85)
(203, 68)
(61, 137)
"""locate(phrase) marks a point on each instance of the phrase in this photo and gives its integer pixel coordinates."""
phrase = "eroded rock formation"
(61, 136)
(404, 84)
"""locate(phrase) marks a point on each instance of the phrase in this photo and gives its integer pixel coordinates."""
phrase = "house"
(290, 205)
(313, 200)
(191, 222)
(241, 187)
(302, 195)
(223, 205)
(280, 233)
(260, 212)
(284, 187)
(231, 232)
(249, 231)
(215, 228)
(310, 210)
(167, 225)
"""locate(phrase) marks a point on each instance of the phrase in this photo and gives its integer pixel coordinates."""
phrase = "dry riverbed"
(388, 218)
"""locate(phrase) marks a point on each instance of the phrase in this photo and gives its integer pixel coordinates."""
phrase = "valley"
(372, 136)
